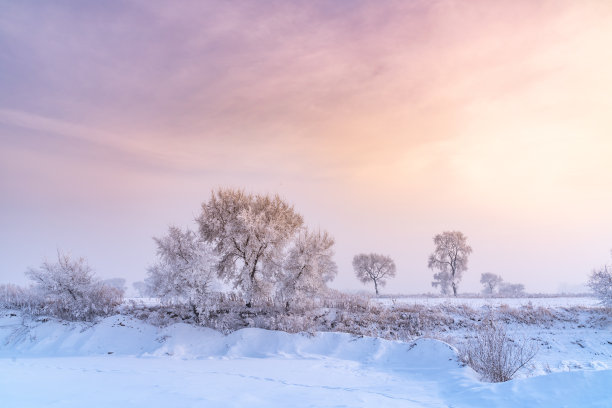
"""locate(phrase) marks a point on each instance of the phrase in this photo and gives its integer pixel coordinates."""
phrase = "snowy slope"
(124, 362)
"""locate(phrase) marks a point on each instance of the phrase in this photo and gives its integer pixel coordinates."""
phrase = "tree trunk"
(454, 285)
(376, 286)
(196, 315)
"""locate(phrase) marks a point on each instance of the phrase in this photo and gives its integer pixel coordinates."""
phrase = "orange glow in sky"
(383, 122)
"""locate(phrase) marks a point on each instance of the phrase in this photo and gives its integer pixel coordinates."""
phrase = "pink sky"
(382, 122)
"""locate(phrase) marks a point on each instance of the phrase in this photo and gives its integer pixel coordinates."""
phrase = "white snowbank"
(123, 335)
(124, 362)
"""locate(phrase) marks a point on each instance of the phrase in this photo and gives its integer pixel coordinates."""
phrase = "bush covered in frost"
(600, 283)
(67, 289)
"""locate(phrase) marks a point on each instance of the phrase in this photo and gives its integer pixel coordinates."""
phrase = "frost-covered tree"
(70, 290)
(308, 266)
(250, 234)
(117, 283)
(374, 267)
(511, 289)
(450, 258)
(600, 282)
(490, 282)
(185, 270)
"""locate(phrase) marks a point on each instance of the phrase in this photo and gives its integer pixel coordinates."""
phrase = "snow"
(124, 362)
(485, 301)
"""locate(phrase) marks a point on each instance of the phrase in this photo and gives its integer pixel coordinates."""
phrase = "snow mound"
(123, 335)
(46, 338)
(125, 362)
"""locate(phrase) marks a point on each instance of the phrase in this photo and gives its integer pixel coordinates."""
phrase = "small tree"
(374, 267)
(511, 289)
(250, 234)
(600, 282)
(450, 259)
(185, 270)
(491, 282)
(308, 266)
(70, 290)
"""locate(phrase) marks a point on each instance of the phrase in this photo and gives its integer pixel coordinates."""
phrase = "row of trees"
(259, 245)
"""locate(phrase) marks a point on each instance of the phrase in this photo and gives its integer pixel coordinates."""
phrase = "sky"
(382, 122)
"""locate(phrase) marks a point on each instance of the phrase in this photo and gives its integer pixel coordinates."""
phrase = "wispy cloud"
(414, 102)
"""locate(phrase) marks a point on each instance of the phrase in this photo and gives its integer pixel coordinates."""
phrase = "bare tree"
(491, 282)
(184, 272)
(450, 259)
(250, 234)
(600, 283)
(374, 267)
(308, 266)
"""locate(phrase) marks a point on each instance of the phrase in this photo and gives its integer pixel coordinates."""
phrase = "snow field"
(125, 362)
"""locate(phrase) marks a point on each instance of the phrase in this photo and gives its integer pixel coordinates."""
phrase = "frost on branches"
(256, 243)
(68, 289)
(308, 266)
(600, 283)
(185, 270)
(373, 267)
(249, 233)
(450, 259)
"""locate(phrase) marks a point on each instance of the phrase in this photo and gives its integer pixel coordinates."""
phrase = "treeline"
(260, 247)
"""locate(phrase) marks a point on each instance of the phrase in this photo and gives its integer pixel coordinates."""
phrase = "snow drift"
(126, 336)
(125, 362)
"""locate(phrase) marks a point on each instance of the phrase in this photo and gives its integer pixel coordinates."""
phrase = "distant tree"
(185, 270)
(511, 289)
(250, 234)
(70, 290)
(600, 282)
(141, 288)
(308, 266)
(374, 267)
(117, 283)
(450, 259)
(491, 282)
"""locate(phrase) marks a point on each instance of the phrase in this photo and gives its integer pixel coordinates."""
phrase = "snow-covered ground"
(125, 362)
(479, 302)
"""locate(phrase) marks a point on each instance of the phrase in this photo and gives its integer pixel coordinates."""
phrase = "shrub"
(69, 290)
(18, 298)
(600, 283)
(495, 355)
